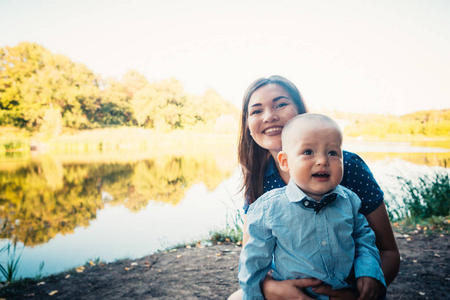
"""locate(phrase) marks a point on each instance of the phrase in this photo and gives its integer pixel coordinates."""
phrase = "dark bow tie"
(317, 206)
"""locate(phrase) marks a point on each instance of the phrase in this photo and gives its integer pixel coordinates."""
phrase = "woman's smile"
(273, 130)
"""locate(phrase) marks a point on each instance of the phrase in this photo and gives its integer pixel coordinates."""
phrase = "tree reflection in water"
(46, 197)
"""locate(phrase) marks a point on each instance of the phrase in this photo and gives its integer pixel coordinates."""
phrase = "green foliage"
(39, 273)
(13, 139)
(424, 199)
(232, 232)
(35, 83)
(93, 261)
(13, 144)
(429, 197)
(32, 80)
(10, 267)
(160, 105)
(51, 123)
(115, 107)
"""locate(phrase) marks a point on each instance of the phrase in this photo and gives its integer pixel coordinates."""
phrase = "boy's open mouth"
(321, 175)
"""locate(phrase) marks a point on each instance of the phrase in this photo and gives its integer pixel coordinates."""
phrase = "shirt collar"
(295, 194)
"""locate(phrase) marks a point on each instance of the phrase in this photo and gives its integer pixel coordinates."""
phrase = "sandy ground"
(211, 273)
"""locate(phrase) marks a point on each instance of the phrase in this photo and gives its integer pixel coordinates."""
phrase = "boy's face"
(312, 154)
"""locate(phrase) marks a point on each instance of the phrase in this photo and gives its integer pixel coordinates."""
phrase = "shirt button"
(306, 203)
(324, 243)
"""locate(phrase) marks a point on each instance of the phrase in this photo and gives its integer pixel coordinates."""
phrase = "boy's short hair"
(305, 117)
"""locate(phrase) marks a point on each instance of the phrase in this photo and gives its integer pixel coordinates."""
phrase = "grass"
(39, 273)
(11, 266)
(232, 232)
(108, 139)
(426, 203)
(93, 261)
(429, 197)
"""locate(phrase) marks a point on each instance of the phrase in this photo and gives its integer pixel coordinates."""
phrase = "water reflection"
(48, 197)
(68, 208)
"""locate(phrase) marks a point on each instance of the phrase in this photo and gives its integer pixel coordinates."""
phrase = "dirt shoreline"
(211, 273)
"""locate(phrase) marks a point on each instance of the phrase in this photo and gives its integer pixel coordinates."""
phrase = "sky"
(383, 56)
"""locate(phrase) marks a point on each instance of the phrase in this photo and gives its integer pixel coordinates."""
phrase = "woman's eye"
(255, 112)
(308, 152)
(281, 105)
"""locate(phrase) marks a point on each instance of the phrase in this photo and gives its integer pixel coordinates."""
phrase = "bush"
(428, 197)
(232, 233)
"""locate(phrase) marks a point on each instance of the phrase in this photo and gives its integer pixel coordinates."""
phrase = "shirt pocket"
(294, 233)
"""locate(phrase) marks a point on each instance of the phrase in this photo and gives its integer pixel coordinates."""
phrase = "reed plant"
(39, 273)
(429, 197)
(425, 200)
(232, 232)
(11, 266)
(16, 144)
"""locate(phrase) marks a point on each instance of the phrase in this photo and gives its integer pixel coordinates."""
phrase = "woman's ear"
(283, 161)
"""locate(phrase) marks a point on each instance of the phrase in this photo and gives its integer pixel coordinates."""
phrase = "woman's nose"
(270, 116)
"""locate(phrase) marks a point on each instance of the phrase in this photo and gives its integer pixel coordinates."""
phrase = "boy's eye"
(308, 152)
(332, 153)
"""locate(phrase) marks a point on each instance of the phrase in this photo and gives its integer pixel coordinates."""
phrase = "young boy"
(311, 228)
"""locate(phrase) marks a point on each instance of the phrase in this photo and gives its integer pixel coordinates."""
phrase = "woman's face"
(269, 109)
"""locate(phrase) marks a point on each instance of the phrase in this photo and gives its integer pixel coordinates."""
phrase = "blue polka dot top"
(357, 177)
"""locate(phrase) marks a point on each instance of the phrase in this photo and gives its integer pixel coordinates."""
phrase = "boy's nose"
(322, 159)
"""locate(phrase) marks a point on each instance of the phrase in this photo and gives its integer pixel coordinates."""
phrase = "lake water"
(67, 209)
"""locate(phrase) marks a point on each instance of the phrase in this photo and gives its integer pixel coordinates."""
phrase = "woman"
(268, 104)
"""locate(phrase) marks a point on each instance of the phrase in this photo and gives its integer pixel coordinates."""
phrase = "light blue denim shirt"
(303, 243)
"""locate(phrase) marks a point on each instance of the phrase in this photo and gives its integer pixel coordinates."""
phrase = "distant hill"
(421, 124)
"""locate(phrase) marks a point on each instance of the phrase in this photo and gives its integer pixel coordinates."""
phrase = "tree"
(36, 84)
(133, 81)
(17, 65)
(114, 106)
(160, 105)
(33, 79)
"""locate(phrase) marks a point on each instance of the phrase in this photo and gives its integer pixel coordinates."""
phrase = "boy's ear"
(282, 161)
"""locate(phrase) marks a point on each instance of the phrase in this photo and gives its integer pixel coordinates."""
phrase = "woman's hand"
(342, 294)
(287, 289)
(386, 244)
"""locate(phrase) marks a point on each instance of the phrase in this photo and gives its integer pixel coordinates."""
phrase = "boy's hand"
(369, 288)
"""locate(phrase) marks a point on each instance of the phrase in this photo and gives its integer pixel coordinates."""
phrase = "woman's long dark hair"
(253, 158)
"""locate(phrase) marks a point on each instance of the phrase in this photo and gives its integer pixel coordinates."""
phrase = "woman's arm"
(385, 241)
(245, 235)
(375, 211)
